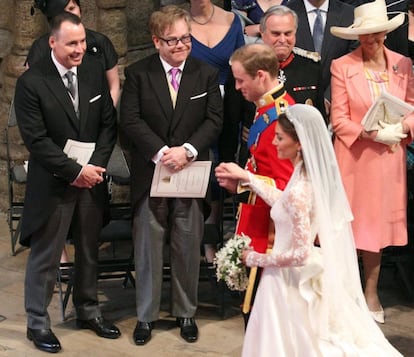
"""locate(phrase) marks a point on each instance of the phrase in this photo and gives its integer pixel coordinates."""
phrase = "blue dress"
(219, 55)
(251, 7)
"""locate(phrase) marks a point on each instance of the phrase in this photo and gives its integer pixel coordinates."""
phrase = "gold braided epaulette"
(314, 56)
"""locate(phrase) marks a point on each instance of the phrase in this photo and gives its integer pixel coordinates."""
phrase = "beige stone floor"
(218, 337)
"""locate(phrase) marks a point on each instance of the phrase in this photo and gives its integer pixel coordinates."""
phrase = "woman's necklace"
(205, 22)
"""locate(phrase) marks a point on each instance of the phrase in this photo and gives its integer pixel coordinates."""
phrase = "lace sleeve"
(269, 193)
(298, 205)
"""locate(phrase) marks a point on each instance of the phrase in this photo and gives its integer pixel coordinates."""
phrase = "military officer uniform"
(300, 73)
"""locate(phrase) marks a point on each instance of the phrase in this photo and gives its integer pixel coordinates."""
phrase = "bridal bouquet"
(229, 266)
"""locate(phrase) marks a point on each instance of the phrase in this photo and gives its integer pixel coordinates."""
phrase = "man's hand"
(229, 174)
(175, 158)
(89, 176)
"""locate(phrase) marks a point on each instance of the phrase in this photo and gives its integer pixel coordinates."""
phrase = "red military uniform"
(254, 217)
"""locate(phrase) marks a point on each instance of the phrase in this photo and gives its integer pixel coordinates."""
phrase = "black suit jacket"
(339, 14)
(149, 121)
(46, 119)
(302, 83)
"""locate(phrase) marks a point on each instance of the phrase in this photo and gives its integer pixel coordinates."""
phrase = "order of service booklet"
(79, 151)
(190, 182)
(388, 109)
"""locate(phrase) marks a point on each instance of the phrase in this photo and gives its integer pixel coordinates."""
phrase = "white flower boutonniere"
(229, 266)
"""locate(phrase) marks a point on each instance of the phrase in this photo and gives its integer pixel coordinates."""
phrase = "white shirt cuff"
(159, 154)
(192, 149)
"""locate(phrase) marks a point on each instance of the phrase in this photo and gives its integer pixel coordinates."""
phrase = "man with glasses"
(171, 113)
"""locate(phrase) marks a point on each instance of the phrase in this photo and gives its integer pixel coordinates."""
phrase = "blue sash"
(260, 124)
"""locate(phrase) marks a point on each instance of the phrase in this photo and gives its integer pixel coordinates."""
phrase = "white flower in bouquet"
(229, 265)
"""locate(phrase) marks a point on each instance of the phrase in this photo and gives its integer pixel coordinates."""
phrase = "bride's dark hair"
(287, 126)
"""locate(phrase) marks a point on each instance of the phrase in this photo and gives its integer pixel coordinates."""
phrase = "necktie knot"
(318, 29)
(174, 80)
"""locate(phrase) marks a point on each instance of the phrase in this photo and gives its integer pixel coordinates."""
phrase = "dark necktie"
(71, 86)
(73, 91)
(174, 81)
(318, 28)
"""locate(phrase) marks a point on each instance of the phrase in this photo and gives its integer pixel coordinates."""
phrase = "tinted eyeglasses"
(174, 41)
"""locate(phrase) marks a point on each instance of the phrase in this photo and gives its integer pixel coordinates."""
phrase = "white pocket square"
(94, 99)
(199, 96)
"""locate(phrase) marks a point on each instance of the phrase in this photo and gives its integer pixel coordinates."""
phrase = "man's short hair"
(277, 10)
(165, 18)
(57, 21)
(256, 57)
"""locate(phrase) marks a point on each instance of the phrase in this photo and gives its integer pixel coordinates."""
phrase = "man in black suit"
(52, 107)
(172, 126)
(334, 13)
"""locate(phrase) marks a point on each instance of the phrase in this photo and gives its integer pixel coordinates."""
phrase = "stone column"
(112, 21)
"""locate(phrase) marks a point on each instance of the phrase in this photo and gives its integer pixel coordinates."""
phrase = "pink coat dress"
(374, 178)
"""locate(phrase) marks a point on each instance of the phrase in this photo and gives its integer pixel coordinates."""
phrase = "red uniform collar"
(287, 61)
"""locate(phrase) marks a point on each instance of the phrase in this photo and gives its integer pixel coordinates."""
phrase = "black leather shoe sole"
(142, 333)
(44, 340)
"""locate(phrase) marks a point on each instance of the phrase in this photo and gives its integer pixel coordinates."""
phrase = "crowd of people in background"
(277, 88)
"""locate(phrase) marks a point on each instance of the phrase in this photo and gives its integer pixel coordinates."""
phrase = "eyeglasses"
(174, 41)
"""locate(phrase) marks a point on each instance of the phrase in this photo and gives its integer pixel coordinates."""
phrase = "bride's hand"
(245, 253)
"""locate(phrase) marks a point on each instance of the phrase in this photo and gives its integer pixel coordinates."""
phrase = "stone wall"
(125, 22)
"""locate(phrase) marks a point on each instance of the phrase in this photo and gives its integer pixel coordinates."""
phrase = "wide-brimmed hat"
(369, 18)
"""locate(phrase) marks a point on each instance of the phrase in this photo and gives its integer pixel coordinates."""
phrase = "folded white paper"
(190, 182)
(79, 151)
(388, 109)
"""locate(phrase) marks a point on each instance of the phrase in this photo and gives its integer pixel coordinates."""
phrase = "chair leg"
(64, 296)
(128, 277)
(128, 272)
(15, 234)
(59, 284)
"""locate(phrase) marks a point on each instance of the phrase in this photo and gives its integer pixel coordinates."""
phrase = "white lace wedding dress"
(289, 305)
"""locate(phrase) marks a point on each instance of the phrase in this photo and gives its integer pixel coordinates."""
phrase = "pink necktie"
(174, 82)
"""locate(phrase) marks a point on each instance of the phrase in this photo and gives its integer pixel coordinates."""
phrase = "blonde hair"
(256, 57)
(166, 17)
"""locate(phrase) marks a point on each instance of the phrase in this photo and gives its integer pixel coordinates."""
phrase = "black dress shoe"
(100, 326)
(142, 333)
(44, 339)
(189, 330)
